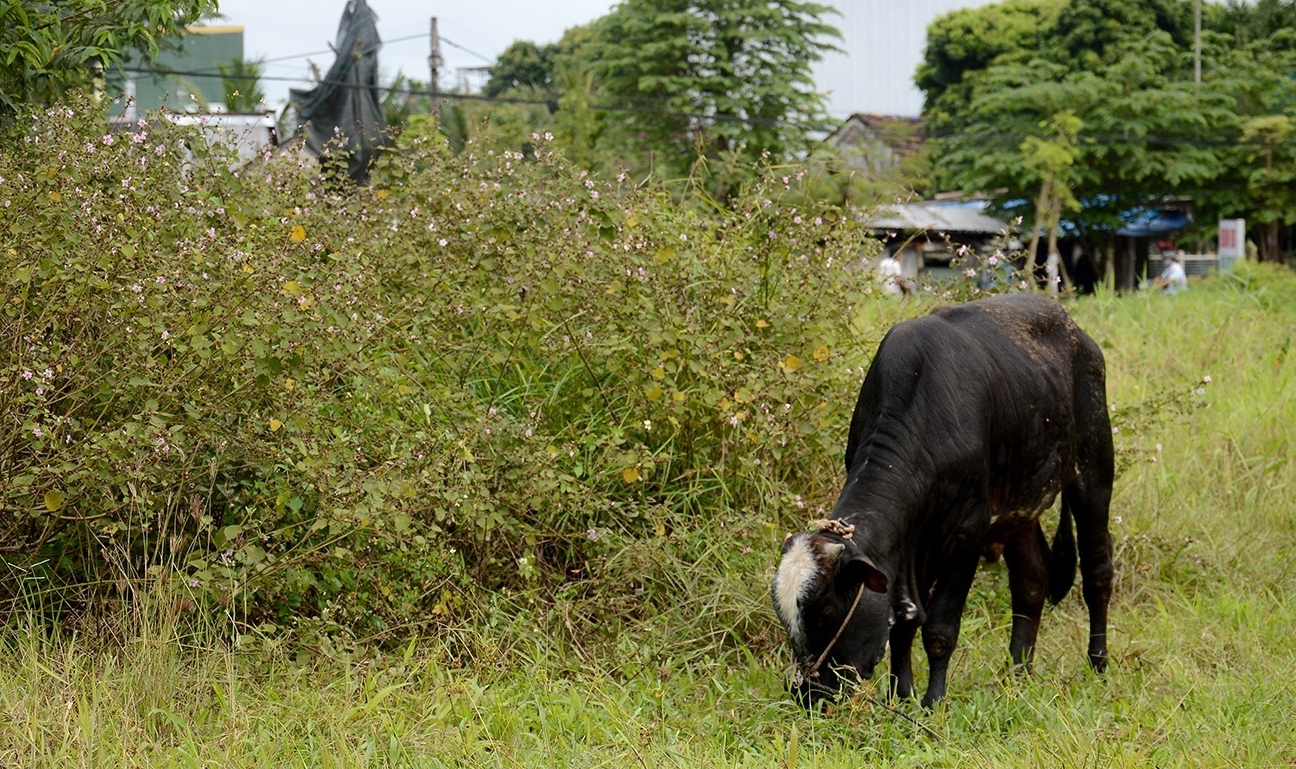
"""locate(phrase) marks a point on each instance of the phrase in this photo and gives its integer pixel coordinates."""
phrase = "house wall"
(202, 51)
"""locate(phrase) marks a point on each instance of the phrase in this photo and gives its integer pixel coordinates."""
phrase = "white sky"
(883, 41)
(280, 28)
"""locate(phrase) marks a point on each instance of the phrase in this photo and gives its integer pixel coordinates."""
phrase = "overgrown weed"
(402, 513)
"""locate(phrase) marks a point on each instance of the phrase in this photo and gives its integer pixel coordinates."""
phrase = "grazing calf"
(969, 424)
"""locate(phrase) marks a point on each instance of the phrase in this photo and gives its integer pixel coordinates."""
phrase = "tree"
(50, 49)
(523, 63)
(1088, 33)
(1271, 180)
(1140, 137)
(710, 79)
(403, 98)
(1147, 130)
(1251, 22)
(241, 84)
(971, 39)
(1052, 159)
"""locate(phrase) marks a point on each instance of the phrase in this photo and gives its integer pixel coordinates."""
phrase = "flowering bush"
(353, 406)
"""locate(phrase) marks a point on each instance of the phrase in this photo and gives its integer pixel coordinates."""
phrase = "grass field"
(1202, 659)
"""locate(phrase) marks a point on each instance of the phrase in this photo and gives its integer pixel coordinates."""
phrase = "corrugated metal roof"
(936, 217)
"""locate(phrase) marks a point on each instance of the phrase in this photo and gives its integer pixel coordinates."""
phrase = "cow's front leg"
(902, 638)
(945, 614)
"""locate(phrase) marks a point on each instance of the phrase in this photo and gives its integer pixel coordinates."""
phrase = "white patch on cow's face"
(798, 569)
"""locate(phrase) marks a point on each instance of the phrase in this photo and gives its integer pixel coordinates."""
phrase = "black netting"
(342, 114)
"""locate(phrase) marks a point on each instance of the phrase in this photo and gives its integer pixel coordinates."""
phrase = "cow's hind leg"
(945, 614)
(1026, 555)
(1089, 506)
(1089, 500)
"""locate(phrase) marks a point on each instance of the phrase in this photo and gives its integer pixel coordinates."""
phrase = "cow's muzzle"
(811, 689)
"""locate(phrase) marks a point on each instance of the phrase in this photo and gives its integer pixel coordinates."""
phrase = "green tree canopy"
(1087, 33)
(710, 78)
(1146, 130)
(523, 63)
(1250, 21)
(48, 49)
(971, 39)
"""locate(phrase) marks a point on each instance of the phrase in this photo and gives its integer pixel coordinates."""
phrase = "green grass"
(1201, 672)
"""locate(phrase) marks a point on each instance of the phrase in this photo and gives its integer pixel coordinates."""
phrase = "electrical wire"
(969, 138)
(972, 138)
(308, 54)
(444, 96)
(471, 52)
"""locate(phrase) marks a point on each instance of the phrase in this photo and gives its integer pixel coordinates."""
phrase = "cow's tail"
(1062, 565)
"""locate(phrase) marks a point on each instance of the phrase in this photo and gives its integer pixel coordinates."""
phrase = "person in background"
(1172, 279)
(891, 275)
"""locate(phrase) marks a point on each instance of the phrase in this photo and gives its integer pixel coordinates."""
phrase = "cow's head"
(818, 580)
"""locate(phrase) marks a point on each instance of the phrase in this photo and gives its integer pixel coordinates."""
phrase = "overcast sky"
(273, 29)
(882, 41)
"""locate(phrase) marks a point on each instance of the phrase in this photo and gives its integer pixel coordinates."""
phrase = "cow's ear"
(858, 568)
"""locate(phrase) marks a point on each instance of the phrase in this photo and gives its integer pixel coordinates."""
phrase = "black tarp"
(342, 113)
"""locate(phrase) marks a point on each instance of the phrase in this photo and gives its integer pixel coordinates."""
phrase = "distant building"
(183, 86)
(872, 145)
(882, 44)
(939, 239)
(183, 80)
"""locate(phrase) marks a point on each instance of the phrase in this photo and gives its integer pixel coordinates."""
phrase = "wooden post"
(434, 64)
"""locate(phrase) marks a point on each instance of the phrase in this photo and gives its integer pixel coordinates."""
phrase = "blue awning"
(1151, 223)
(1136, 222)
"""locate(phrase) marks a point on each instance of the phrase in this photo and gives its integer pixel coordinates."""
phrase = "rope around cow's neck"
(835, 526)
(814, 669)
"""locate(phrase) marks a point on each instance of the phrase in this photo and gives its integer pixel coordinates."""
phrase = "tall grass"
(1201, 671)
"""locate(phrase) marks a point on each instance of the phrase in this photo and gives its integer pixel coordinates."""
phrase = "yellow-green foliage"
(484, 380)
(358, 406)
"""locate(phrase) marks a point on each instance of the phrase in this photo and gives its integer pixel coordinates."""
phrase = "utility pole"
(434, 63)
(1197, 39)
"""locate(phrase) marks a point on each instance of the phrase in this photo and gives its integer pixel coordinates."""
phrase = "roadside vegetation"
(488, 465)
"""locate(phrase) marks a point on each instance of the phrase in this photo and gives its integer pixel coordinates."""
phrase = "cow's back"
(985, 391)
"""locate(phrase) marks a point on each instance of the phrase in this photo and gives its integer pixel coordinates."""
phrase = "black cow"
(969, 423)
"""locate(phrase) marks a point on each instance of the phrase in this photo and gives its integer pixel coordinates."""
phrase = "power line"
(453, 44)
(1008, 138)
(719, 118)
(308, 54)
